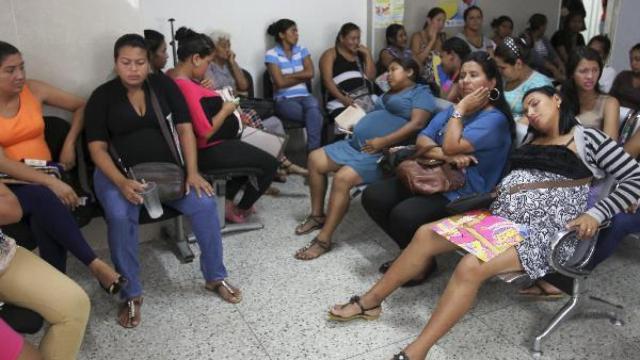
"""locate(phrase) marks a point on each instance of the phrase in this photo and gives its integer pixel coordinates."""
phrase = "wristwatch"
(456, 114)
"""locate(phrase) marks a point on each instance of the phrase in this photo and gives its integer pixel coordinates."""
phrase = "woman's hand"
(131, 190)
(462, 161)
(585, 225)
(207, 82)
(363, 49)
(232, 57)
(229, 107)
(346, 100)
(68, 156)
(474, 101)
(65, 193)
(373, 146)
(200, 184)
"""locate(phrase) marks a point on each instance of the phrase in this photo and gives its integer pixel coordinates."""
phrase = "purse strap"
(551, 184)
(164, 127)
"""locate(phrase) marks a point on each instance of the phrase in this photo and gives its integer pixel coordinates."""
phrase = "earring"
(497, 94)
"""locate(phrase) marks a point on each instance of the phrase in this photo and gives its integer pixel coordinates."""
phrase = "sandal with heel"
(115, 286)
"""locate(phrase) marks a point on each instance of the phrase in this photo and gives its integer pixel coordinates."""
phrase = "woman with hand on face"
(429, 40)
(558, 148)
(346, 67)
(120, 114)
(399, 115)
(472, 32)
(477, 131)
(45, 200)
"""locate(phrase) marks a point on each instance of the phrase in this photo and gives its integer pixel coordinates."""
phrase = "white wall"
(623, 15)
(69, 43)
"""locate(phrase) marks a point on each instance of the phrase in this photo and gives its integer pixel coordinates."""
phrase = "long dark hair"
(7, 49)
(191, 43)
(154, 40)
(278, 27)
(490, 70)
(511, 49)
(569, 88)
(567, 118)
(435, 11)
(391, 33)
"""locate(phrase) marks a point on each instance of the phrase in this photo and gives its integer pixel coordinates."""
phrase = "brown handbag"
(426, 177)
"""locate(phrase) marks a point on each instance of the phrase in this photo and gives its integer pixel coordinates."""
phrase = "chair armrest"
(576, 266)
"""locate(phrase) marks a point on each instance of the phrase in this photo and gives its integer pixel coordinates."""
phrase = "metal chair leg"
(609, 309)
(179, 240)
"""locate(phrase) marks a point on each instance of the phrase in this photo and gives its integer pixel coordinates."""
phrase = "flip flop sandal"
(542, 294)
(401, 356)
(309, 224)
(227, 287)
(130, 306)
(321, 244)
(362, 315)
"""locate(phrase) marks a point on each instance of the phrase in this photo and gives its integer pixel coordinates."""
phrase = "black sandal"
(362, 315)
(115, 286)
(401, 356)
(326, 247)
(311, 223)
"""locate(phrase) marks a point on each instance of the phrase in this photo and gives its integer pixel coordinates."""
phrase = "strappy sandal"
(362, 315)
(326, 247)
(132, 312)
(401, 356)
(235, 293)
(309, 224)
(115, 286)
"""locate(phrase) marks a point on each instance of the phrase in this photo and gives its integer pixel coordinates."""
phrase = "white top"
(606, 79)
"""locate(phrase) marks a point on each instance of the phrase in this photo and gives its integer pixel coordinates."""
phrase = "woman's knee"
(72, 304)
(345, 179)
(469, 269)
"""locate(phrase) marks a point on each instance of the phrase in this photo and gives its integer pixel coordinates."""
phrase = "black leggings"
(400, 213)
(237, 154)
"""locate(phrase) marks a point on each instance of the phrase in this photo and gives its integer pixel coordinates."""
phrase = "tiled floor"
(285, 302)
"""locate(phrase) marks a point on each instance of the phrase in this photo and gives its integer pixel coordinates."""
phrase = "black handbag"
(169, 177)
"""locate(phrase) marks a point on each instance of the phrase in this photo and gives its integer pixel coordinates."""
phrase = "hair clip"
(511, 44)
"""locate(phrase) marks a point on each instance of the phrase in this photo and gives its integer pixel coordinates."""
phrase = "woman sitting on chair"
(216, 127)
(398, 116)
(120, 114)
(557, 149)
(44, 199)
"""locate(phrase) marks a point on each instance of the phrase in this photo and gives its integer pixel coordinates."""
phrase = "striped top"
(603, 156)
(294, 64)
(348, 76)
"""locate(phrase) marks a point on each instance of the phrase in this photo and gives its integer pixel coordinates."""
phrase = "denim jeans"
(122, 231)
(303, 109)
(622, 225)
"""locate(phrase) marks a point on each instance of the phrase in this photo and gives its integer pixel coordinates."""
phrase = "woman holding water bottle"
(120, 115)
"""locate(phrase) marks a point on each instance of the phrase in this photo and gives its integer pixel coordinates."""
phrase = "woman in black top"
(569, 38)
(346, 67)
(120, 114)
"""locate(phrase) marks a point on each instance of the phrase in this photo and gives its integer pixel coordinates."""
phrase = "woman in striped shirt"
(558, 149)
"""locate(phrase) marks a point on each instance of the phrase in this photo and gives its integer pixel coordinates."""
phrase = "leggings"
(31, 283)
(399, 212)
(621, 225)
(53, 226)
(237, 154)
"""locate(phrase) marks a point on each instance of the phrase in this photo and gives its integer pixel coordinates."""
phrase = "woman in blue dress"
(398, 116)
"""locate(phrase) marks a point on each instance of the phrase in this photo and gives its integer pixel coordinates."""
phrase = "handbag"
(271, 143)
(169, 177)
(426, 177)
(394, 156)
(362, 95)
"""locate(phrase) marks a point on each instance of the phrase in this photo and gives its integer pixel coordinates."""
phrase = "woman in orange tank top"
(45, 199)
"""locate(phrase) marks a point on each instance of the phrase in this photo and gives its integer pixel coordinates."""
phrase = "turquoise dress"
(392, 111)
(514, 99)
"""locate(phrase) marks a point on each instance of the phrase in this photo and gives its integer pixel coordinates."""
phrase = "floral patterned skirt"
(544, 212)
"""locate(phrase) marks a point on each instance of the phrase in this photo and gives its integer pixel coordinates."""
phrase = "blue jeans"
(303, 109)
(622, 225)
(122, 231)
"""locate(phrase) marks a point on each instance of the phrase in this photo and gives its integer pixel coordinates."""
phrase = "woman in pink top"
(217, 128)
